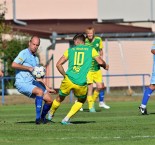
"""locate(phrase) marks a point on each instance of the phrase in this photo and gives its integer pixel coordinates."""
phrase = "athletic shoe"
(64, 122)
(49, 116)
(103, 105)
(38, 121)
(143, 110)
(81, 109)
(92, 110)
(45, 121)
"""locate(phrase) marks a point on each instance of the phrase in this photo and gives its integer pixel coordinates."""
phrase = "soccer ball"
(39, 72)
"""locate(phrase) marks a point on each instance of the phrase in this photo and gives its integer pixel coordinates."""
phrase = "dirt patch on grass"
(21, 99)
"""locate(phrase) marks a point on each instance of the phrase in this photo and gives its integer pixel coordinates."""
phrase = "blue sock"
(38, 103)
(45, 110)
(146, 95)
(101, 96)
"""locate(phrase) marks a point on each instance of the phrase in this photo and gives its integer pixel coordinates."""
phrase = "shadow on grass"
(87, 110)
(29, 122)
(82, 122)
(153, 113)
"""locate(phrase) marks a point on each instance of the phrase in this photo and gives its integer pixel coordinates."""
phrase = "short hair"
(90, 28)
(34, 36)
(80, 37)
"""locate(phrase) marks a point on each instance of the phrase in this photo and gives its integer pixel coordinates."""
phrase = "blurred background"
(127, 29)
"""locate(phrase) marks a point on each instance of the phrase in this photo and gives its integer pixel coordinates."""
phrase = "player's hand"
(31, 69)
(107, 67)
(1, 74)
(52, 91)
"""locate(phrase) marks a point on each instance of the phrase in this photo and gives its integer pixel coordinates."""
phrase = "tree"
(9, 48)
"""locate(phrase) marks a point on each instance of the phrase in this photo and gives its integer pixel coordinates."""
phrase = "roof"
(44, 28)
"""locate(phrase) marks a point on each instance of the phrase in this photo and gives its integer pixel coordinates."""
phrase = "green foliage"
(4, 28)
(9, 48)
(9, 51)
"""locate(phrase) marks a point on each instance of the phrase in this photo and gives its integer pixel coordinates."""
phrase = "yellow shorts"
(67, 86)
(94, 77)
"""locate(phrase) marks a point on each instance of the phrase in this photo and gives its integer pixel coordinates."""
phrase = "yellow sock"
(95, 95)
(54, 107)
(90, 102)
(75, 108)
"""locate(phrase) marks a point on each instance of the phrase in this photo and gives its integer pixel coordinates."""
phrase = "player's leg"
(38, 102)
(30, 90)
(90, 98)
(101, 98)
(146, 96)
(90, 92)
(81, 93)
(64, 91)
(47, 99)
(99, 89)
(46, 107)
(97, 78)
(55, 105)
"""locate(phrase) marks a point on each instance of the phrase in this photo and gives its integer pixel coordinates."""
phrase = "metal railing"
(3, 79)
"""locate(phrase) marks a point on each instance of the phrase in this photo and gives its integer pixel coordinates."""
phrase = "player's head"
(90, 32)
(34, 43)
(79, 39)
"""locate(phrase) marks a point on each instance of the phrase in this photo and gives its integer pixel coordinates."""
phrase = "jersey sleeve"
(66, 53)
(94, 53)
(153, 46)
(101, 44)
(20, 58)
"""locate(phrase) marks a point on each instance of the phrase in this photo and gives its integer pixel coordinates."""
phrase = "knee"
(40, 92)
(99, 88)
(82, 100)
(60, 99)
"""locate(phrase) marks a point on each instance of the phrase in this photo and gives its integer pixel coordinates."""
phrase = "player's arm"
(153, 51)
(59, 64)
(50, 90)
(101, 53)
(101, 48)
(153, 48)
(1, 74)
(21, 67)
(99, 60)
(18, 61)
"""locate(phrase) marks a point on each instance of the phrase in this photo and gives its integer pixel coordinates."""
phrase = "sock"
(38, 104)
(45, 110)
(75, 108)
(101, 96)
(54, 107)
(146, 96)
(90, 102)
(95, 95)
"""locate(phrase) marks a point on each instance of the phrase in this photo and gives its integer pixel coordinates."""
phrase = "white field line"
(69, 138)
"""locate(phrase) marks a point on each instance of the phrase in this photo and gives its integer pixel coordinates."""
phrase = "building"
(127, 44)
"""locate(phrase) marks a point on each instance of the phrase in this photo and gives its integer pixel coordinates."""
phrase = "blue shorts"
(27, 88)
(152, 79)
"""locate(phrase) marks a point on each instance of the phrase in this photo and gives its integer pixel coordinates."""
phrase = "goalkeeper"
(26, 83)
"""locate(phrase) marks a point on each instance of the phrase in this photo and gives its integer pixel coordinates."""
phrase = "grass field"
(120, 125)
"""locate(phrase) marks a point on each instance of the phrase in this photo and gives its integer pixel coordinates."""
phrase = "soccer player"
(27, 84)
(151, 88)
(79, 60)
(95, 74)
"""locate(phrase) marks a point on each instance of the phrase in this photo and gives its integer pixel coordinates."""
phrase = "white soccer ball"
(39, 72)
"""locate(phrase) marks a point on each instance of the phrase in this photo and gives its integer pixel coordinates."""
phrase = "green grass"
(120, 125)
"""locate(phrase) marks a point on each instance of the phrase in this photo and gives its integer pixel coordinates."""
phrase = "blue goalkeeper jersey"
(25, 58)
